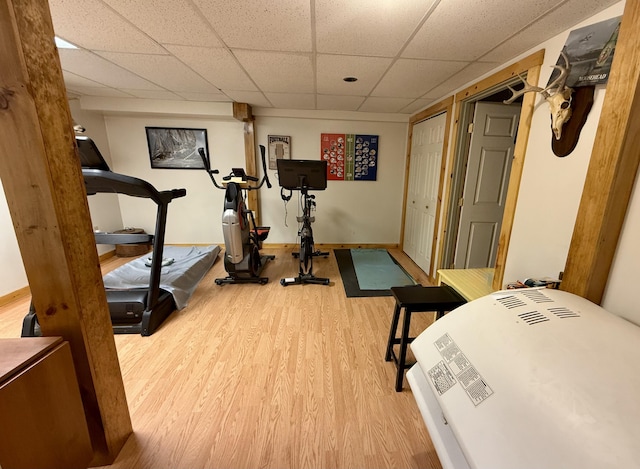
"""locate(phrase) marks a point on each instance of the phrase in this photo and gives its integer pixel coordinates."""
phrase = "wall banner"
(350, 157)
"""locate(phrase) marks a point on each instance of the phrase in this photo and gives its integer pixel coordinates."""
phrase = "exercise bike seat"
(263, 232)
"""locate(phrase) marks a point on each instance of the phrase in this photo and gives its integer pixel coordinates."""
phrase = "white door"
(422, 193)
(485, 189)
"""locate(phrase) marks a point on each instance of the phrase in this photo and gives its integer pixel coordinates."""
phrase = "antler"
(554, 87)
(559, 83)
(526, 89)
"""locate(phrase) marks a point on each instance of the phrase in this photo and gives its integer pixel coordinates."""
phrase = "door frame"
(444, 106)
(464, 100)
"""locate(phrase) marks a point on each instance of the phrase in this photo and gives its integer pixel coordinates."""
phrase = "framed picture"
(279, 148)
(350, 157)
(173, 148)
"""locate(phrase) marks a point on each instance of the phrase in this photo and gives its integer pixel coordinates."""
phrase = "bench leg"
(404, 341)
(392, 333)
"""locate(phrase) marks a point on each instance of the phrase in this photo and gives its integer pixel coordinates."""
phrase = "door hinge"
(461, 202)
(470, 128)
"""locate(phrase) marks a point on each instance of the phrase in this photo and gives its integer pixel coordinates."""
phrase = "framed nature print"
(176, 148)
(279, 148)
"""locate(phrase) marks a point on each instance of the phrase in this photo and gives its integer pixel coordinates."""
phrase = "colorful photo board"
(350, 157)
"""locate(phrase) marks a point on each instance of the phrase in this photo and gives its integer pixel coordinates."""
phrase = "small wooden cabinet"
(42, 421)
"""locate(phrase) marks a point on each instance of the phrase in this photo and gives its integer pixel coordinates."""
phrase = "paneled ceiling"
(294, 54)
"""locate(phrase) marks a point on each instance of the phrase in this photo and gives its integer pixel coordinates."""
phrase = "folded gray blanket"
(180, 277)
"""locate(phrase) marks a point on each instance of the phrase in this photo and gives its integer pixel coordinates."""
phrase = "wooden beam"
(612, 169)
(242, 112)
(253, 197)
(45, 193)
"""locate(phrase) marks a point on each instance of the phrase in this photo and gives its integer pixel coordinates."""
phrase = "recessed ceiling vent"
(533, 317)
(563, 312)
(511, 302)
(536, 296)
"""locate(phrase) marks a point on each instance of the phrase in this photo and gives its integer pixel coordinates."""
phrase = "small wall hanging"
(279, 148)
(350, 157)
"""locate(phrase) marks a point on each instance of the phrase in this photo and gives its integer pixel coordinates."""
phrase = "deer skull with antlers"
(557, 94)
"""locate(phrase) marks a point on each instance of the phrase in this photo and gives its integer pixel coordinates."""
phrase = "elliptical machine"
(242, 241)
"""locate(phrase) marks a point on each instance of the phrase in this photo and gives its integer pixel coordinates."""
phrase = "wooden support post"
(612, 169)
(45, 193)
(242, 112)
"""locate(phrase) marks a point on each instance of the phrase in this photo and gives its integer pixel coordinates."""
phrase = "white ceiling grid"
(293, 54)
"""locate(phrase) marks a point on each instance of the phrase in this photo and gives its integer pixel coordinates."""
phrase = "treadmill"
(138, 310)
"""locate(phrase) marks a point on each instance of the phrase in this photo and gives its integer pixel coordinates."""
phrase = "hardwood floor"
(267, 376)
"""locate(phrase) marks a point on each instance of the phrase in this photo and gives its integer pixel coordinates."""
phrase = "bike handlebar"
(211, 172)
(264, 167)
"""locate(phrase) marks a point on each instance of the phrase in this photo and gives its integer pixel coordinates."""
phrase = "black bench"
(416, 299)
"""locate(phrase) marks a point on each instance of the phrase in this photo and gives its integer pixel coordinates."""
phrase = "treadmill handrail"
(100, 181)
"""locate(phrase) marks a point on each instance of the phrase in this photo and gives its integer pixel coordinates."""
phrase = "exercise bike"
(304, 175)
(242, 238)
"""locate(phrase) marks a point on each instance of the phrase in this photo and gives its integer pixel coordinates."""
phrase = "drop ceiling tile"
(438, 40)
(216, 65)
(210, 97)
(168, 21)
(282, 25)
(374, 104)
(555, 22)
(99, 91)
(254, 98)
(150, 94)
(278, 72)
(292, 100)
(164, 70)
(416, 106)
(339, 103)
(71, 79)
(360, 27)
(93, 67)
(465, 77)
(93, 25)
(412, 78)
(331, 69)
(272, 47)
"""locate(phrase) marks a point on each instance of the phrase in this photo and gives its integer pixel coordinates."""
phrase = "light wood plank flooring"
(268, 376)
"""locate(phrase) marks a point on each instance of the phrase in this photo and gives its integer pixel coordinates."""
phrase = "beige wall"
(12, 274)
(104, 208)
(551, 187)
(550, 194)
(347, 212)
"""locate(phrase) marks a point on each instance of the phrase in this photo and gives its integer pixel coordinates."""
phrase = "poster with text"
(279, 148)
(350, 157)
(590, 50)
